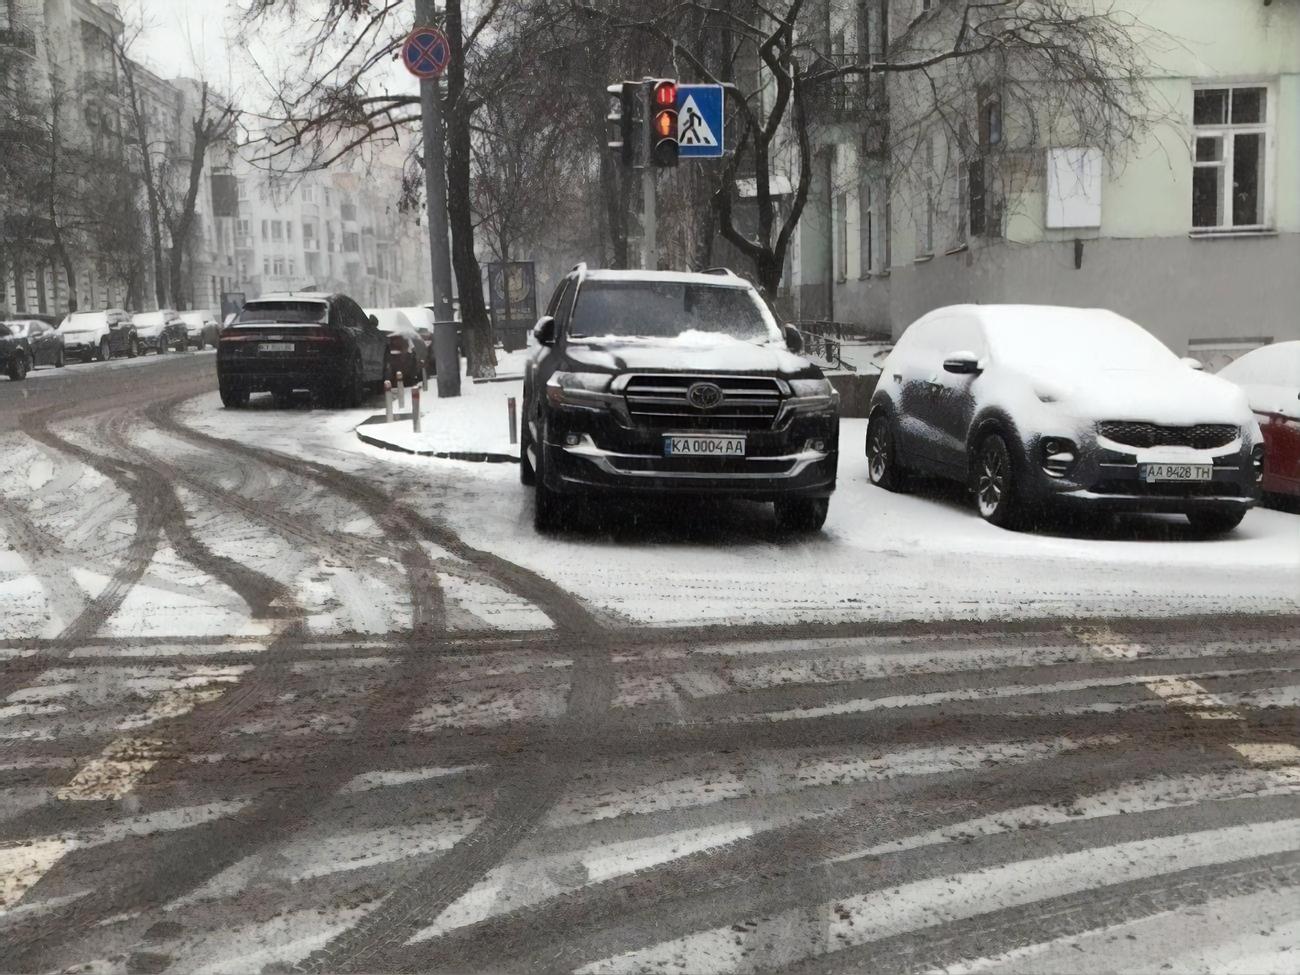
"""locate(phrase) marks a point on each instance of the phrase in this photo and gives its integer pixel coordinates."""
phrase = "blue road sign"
(426, 52)
(700, 132)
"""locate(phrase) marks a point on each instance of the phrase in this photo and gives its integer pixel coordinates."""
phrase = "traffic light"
(663, 122)
(622, 119)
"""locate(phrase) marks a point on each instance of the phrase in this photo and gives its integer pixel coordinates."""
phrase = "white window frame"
(1228, 132)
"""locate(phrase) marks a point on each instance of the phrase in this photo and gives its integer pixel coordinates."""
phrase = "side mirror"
(544, 330)
(1191, 363)
(373, 320)
(793, 339)
(962, 364)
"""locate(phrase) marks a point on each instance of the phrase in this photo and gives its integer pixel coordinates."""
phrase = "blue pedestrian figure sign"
(700, 132)
(426, 52)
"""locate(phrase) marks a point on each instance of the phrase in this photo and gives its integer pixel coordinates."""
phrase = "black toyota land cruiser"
(656, 382)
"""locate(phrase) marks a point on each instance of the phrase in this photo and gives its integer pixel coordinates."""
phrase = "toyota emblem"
(704, 396)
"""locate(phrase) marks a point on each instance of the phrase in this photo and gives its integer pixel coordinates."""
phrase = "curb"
(473, 456)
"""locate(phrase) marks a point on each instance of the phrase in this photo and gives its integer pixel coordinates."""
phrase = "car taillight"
(232, 335)
(318, 335)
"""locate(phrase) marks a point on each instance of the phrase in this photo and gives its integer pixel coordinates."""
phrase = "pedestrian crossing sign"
(700, 133)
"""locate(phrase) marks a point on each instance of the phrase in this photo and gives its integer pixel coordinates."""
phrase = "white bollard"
(415, 408)
(513, 413)
(424, 378)
(388, 401)
(401, 392)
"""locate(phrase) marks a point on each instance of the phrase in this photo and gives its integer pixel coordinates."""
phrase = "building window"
(293, 267)
(266, 265)
(1231, 177)
(265, 231)
(288, 232)
(241, 189)
(241, 228)
(925, 235)
(309, 194)
(841, 236)
(277, 230)
(866, 230)
(278, 266)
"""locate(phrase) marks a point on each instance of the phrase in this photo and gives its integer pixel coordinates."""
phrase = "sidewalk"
(473, 426)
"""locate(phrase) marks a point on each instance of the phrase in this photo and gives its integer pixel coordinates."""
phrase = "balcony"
(19, 38)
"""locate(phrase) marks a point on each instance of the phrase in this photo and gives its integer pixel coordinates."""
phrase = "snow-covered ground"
(881, 556)
(477, 421)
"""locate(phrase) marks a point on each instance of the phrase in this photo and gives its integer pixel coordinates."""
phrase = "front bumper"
(1109, 475)
(800, 460)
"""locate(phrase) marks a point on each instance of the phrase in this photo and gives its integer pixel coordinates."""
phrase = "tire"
(551, 510)
(527, 476)
(183, 344)
(1216, 521)
(18, 369)
(58, 360)
(883, 469)
(233, 397)
(996, 492)
(160, 348)
(105, 353)
(801, 514)
(352, 392)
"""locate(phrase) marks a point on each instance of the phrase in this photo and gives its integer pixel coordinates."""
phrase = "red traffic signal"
(663, 131)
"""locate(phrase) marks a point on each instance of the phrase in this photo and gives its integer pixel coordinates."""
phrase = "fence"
(825, 340)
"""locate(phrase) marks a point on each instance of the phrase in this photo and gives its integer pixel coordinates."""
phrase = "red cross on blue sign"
(426, 52)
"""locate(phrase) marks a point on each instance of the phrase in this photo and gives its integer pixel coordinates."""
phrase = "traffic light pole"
(649, 221)
(446, 352)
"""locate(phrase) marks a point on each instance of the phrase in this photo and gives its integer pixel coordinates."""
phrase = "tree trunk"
(56, 232)
(460, 213)
(146, 168)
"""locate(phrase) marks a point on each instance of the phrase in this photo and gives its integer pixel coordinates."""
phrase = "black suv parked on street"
(322, 343)
(655, 382)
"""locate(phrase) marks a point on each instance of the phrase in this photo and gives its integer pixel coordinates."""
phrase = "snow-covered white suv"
(1035, 404)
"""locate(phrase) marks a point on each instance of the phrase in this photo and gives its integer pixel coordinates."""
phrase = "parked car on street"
(26, 344)
(423, 319)
(99, 335)
(280, 343)
(161, 331)
(201, 328)
(1036, 405)
(1270, 377)
(659, 383)
(407, 351)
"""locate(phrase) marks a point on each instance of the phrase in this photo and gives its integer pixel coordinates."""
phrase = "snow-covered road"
(270, 697)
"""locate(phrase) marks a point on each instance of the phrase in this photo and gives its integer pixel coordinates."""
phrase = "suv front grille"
(660, 402)
(1203, 436)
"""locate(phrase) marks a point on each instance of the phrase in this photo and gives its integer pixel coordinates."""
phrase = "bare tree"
(212, 122)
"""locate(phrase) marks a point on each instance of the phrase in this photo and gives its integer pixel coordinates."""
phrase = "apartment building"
(1192, 227)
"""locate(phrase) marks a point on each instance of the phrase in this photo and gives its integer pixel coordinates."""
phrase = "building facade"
(1192, 227)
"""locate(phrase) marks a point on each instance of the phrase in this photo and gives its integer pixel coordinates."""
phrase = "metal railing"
(825, 340)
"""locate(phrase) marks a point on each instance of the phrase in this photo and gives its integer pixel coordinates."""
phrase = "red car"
(1271, 378)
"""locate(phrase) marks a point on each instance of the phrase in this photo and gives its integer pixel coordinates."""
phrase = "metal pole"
(435, 191)
(649, 229)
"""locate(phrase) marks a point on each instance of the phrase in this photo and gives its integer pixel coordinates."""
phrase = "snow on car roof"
(1270, 365)
(1072, 338)
(670, 277)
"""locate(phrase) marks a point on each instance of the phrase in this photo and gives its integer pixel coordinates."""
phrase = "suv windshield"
(283, 313)
(666, 309)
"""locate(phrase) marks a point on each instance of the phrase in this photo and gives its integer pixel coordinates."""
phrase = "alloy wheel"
(991, 481)
(878, 451)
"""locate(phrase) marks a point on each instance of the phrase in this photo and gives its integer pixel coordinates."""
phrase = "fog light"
(818, 445)
(1257, 460)
(1058, 456)
(572, 439)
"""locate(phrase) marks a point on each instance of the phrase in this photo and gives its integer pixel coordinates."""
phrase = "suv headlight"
(812, 395)
(585, 390)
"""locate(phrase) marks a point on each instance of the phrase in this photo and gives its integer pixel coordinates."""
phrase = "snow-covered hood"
(149, 329)
(688, 352)
(1173, 396)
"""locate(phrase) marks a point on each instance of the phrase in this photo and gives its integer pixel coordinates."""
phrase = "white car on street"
(1032, 406)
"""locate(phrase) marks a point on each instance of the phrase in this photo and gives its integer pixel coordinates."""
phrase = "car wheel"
(995, 485)
(527, 475)
(160, 347)
(105, 353)
(802, 514)
(550, 508)
(18, 368)
(233, 396)
(58, 360)
(353, 391)
(1216, 521)
(882, 454)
